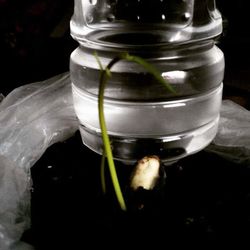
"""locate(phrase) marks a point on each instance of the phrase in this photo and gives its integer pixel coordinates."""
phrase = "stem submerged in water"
(106, 142)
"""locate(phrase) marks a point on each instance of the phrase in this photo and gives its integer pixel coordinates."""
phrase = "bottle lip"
(144, 38)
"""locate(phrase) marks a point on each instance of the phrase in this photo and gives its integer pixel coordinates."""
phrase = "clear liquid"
(177, 128)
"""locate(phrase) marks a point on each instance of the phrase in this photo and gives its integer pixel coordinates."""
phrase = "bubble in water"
(111, 17)
(186, 16)
(163, 17)
(93, 2)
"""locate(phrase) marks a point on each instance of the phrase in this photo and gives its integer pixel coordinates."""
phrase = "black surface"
(204, 199)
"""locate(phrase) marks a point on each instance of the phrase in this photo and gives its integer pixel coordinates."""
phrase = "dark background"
(35, 43)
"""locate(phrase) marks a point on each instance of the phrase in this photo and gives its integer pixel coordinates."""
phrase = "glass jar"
(142, 116)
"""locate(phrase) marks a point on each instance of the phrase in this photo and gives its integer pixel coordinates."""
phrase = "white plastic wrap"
(233, 137)
(32, 117)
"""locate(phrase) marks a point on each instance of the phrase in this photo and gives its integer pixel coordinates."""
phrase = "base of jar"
(169, 148)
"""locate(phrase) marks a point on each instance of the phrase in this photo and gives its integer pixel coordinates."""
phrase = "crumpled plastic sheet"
(232, 140)
(36, 115)
(32, 117)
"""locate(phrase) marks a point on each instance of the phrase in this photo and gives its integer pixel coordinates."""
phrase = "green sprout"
(107, 151)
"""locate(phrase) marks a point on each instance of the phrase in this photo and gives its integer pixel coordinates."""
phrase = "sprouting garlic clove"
(146, 173)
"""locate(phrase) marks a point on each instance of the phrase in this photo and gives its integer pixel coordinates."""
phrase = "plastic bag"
(232, 140)
(32, 117)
